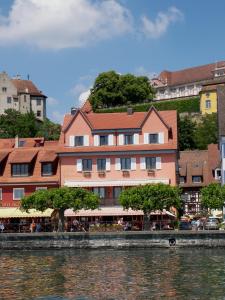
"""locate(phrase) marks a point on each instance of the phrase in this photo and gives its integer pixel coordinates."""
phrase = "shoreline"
(112, 240)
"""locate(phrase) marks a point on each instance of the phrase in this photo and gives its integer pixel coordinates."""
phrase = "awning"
(48, 156)
(87, 183)
(14, 212)
(111, 211)
(22, 156)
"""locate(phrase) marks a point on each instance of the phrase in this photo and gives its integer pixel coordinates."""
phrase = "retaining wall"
(92, 240)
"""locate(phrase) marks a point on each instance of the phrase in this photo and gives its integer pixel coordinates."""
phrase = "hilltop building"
(21, 95)
(186, 82)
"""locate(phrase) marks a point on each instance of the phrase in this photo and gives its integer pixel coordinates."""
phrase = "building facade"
(186, 82)
(197, 168)
(21, 95)
(26, 165)
(108, 152)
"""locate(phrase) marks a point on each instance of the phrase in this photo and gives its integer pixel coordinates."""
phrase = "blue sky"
(64, 44)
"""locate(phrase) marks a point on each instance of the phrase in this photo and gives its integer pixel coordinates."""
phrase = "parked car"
(185, 225)
(212, 224)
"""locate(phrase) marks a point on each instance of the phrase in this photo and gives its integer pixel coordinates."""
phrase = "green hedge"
(181, 105)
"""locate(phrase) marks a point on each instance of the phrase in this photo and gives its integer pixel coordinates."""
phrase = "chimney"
(129, 110)
(16, 141)
(73, 110)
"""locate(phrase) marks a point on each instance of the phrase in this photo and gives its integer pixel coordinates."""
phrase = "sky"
(64, 44)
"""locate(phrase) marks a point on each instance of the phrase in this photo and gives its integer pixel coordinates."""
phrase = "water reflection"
(111, 274)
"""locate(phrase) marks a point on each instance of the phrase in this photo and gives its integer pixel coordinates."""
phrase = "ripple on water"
(106, 274)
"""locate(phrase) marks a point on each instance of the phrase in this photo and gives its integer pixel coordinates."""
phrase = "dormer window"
(47, 169)
(21, 143)
(78, 141)
(196, 179)
(103, 140)
(20, 170)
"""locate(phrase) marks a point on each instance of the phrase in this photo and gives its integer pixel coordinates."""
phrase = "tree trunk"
(61, 220)
(146, 220)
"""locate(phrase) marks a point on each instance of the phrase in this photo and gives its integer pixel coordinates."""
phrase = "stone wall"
(112, 240)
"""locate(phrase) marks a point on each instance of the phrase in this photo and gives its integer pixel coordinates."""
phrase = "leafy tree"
(149, 198)
(60, 199)
(49, 130)
(14, 123)
(206, 131)
(112, 89)
(213, 196)
(186, 134)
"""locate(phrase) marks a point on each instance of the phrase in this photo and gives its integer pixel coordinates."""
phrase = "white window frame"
(14, 189)
(208, 104)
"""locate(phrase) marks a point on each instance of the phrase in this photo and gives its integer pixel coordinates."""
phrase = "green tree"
(112, 89)
(149, 198)
(213, 196)
(186, 129)
(13, 123)
(206, 131)
(49, 130)
(60, 199)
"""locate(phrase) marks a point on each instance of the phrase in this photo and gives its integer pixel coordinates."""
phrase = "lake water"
(112, 274)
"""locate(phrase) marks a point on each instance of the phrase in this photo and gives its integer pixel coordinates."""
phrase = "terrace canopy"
(15, 212)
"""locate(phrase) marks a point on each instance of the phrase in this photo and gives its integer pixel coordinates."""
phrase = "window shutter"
(146, 138)
(133, 163)
(161, 137)
(72, 140)
(110, 139)
(142, 163)
(136, 138)
(158, 163)
(117, 164)
(107, 164)
(86, 140)
(79, 165)
(121, 139)
(96, 140)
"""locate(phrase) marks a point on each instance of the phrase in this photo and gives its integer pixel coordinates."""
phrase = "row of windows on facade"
(19, 193)
(9, 100)
(127, 163)
(195, 179)
(123, 139)
(180, 89)
(25, 169)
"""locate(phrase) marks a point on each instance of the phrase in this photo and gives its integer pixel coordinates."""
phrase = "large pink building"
(106, 152)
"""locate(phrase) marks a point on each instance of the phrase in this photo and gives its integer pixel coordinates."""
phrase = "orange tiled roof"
(189, 75)
(3, 155)
(26, 86)
(22, 156)
(47, 156)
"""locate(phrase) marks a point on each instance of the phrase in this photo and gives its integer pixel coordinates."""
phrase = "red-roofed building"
(21, 95)
(106, 152)
(26, 164)
(187, 82)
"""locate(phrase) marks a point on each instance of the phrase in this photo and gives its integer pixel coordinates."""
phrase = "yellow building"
(208, 99)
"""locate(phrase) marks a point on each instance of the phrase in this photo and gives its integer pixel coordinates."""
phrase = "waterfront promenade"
(115, 240)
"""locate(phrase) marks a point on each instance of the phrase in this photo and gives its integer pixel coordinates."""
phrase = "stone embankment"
(117, 240)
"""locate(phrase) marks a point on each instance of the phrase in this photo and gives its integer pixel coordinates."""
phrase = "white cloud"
(83, 97)
(52, 101)
(58, 24)
(142, 71)
(156, 28)
(57, 116)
